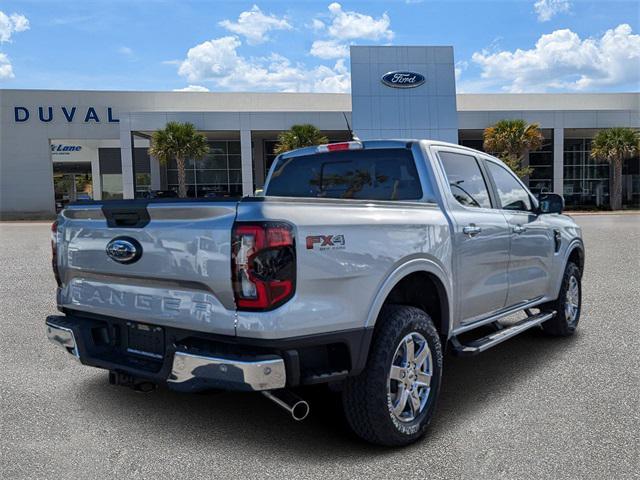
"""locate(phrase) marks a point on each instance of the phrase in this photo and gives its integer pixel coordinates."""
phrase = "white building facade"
(59, 146)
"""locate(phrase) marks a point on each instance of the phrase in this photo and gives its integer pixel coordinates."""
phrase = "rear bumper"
(62, 337)
(188, 370)
(193, 361)
(266, 374)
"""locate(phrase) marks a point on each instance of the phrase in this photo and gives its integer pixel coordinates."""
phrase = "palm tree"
(511, 141)
(299, 136)
(615, 145)
(179, 141)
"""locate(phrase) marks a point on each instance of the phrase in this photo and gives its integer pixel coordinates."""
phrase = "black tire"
(365, 398)
(561, 325)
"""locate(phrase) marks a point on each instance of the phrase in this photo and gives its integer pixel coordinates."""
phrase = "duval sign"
(402, 79)
(69, 114)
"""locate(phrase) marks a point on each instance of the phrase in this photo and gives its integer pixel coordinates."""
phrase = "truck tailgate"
(182, 277)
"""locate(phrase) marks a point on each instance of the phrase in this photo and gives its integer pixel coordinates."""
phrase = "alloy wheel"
(572, 300)
(409, 379)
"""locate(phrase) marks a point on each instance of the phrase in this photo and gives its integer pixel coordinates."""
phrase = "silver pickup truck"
(358, 267)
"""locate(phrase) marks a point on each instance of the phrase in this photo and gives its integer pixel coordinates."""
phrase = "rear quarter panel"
(340, 287)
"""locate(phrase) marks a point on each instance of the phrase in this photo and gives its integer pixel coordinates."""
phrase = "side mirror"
(550, 203)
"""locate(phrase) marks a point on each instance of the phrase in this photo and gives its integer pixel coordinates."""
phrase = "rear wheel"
(393, 400)
(567, 306)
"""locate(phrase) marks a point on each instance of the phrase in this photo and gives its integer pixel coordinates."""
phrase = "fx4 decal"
(325, 242)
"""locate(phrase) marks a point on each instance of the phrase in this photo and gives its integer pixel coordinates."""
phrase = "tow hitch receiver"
(126, 380)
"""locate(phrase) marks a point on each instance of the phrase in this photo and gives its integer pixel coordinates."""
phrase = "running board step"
(493, 339)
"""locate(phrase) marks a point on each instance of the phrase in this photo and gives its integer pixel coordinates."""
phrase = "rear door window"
(377, 174)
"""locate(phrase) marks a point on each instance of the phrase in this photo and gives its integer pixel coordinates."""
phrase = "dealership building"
(58, 146)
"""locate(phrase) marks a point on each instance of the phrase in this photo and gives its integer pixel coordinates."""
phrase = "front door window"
(511, 193)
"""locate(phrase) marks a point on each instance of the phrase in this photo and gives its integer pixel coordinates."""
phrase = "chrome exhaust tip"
(297, 407)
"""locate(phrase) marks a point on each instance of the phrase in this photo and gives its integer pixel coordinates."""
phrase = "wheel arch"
(407, 285)
(575, 253)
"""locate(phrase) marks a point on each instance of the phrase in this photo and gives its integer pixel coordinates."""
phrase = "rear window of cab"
(376, 174)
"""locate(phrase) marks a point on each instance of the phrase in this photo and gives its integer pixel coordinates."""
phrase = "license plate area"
(145, 340)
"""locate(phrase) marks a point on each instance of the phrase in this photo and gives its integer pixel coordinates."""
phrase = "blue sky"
(500, 46)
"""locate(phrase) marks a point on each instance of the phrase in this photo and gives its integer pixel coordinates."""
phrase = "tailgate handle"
(134, 216)
(126, 219)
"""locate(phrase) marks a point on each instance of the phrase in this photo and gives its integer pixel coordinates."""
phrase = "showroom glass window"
(269, 155)
(541, 162)
(218, 174)
(511, 193)
(586, 180)
(465, 179)
(631, 183)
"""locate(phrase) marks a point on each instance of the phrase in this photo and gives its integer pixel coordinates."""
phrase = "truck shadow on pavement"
(252, 423)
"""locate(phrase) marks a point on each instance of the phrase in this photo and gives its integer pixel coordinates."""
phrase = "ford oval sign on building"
(402, 79)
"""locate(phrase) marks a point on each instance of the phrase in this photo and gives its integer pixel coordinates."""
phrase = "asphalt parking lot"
(534, 407)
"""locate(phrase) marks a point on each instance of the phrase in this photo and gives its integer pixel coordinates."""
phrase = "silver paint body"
(183, 278)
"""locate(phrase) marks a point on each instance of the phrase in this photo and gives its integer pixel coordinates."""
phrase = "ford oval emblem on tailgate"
(124, 250)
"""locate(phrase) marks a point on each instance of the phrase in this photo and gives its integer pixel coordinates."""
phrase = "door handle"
(471, 230)
(519, 229)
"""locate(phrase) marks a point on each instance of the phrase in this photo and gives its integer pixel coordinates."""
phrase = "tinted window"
(512, 195)
(379, 174)
(465, 179)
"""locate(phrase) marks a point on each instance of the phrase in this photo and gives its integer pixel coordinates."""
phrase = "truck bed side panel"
(337, 284)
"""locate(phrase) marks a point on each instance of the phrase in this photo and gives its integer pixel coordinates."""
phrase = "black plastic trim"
(113, 356)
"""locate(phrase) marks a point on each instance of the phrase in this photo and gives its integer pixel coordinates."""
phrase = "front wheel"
(393, 400)
(568, 305)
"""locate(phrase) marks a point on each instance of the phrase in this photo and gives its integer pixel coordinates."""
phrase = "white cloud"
(331, 80)
(10, 24)
(460, 67)
(6, 70)
(254, 25)
(218, 61)
(329, 49)
(126, 51)
(547, 9)
(211, 59)
(192, 88)
(317, 25)
(349, 25)
(561, 60)
(346, 26)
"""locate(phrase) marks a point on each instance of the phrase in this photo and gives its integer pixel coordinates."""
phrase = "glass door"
(71, 182)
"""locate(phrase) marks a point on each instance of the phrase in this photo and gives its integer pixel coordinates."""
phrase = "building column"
(558, 160)
(247, 163)
(154, 166)
(96, 180)
(126, 158)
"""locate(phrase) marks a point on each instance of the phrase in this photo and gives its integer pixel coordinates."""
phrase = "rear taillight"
(263, 265)
(54, 252)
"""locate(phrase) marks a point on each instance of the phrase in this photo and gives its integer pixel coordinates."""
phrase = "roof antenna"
(353, 137)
